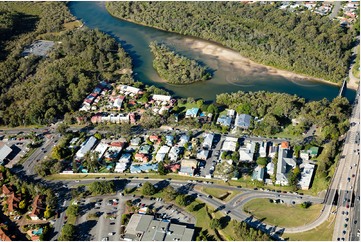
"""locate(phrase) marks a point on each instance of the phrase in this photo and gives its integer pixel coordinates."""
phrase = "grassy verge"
(26, 156)
(221, 194)
(281, 214)
(321, 233)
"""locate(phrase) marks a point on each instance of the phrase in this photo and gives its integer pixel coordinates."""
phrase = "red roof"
(284, 145)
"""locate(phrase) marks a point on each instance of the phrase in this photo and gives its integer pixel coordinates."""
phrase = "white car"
(105, 239)
(111, 233)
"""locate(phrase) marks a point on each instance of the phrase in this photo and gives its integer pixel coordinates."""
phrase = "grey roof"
(4, 152)
(86, 146)
(243, 120)
(150, 229)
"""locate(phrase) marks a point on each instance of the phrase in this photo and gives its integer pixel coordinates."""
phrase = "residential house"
(12, 200)
(141, 157)
(243, 121)
(188, 167)
(38, 207)
(246, 152)
(135, 141)
(258, 173)
(145, 149)
(224, 120)
(155, 139)
(136, 168)
(101, 148)
(307, 171)
(230, 144)
(270, 168)
(208, 141)
(173, 167)
(169, 140)
(203, 154)
(183, 140)
(86, 147)
(162, 98)
(231, 113)
(118, 102)
(284, 164)
(174, 153)
(192, 112)
(128, 89)
(272, 150)
(120, 167)
(114, 150)
(125, 158)
(113, 118)
(263, 149)
(304, 155)
(162, 152)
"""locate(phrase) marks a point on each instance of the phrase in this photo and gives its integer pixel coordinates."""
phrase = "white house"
(272, 150)
(230, 144)
(162, 98)
(246, 153)
(258, 173)
(208, 141)
(203, 154)
(162, 152)
(283, 164)
(120, 167)
(118, 103)
(130, 89)
(243, 121)
(173, 153)
(101, 148)
(263, 149)
(306, 176)
(86, 146)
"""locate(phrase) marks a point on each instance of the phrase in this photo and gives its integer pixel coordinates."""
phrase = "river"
(229, 74)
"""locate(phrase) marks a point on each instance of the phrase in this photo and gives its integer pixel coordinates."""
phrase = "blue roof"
(224, 120)
(192, 111)
(143, 167)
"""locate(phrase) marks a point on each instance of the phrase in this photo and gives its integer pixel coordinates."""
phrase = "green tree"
(22, 204)
(181, 200)
(61, 128)
(262, 161)
(162, 170)
(67, 232)
(169, 193)
(148, 189)
(200, 103)
(72, 210)
(98, 136)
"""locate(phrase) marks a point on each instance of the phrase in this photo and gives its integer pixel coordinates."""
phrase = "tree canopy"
(174, 68)
(306, 43)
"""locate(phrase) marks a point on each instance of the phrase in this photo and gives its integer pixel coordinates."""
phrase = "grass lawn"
(321, 233)
(187, 106)
(220, 193)
(281, 214)
(203, 218)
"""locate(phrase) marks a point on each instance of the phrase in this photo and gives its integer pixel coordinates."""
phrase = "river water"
(229, 75)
